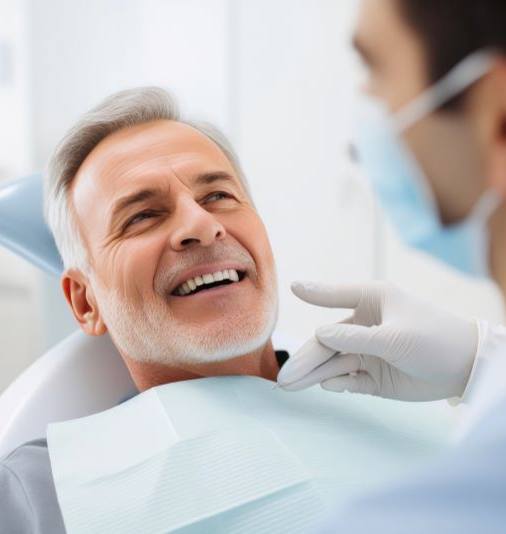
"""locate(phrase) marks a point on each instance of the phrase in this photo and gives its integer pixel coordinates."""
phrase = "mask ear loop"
(486, 205)
(458, 79)
(479, 217)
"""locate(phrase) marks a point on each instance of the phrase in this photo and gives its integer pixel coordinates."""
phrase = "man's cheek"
(265, 252)
(132, 282)
(136, 268)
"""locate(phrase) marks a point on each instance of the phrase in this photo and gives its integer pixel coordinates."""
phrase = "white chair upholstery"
(79, 376)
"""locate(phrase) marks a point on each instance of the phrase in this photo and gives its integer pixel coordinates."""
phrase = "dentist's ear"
(496, 130)
(81, 299)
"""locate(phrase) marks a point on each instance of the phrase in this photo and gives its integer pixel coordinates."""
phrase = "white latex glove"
(394, 345)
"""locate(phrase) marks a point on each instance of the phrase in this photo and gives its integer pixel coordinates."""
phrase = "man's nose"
(195, 225)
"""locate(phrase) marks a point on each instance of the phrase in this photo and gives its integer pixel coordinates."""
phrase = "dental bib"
(232, 454)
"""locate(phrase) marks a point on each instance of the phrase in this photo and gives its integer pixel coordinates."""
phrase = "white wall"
(14, 82)
(20, 330)
(277, 76)
(292, 74)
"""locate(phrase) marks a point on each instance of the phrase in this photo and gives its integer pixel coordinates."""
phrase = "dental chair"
(79, 376)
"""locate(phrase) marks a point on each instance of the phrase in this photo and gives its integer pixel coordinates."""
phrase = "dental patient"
(164, 250)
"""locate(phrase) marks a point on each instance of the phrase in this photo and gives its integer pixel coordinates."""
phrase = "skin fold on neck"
(261, 363)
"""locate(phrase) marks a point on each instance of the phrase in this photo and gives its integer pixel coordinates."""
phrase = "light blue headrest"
(22, 226)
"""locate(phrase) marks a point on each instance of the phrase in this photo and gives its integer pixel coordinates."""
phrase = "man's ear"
(81, 299)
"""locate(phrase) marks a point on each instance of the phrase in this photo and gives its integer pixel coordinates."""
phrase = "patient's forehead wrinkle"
(184, 167)
(208, 178)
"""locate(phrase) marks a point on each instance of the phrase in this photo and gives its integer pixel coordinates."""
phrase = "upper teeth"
(191, 284)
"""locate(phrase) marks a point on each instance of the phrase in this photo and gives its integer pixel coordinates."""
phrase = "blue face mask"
(401, 186)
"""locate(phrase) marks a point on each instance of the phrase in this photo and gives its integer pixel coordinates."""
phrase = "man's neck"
(262, 363)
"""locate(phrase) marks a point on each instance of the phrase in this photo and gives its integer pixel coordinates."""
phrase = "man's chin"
(225, 340)
(201, 351)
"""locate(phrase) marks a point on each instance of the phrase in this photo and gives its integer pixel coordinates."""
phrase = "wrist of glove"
(394, 345)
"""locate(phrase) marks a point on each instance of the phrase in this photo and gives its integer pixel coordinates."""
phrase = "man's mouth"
(208, 281)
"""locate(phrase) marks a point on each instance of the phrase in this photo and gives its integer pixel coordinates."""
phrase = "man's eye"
(214, 197)
(140, 217)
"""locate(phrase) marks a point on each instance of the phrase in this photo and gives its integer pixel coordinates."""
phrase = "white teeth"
(209, 278)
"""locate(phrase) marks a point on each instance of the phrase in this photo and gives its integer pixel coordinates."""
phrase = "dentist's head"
(161, 241)
(439, 66)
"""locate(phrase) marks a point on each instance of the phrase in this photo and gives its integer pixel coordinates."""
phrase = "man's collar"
(282, 356)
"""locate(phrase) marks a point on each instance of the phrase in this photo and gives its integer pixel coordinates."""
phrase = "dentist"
(433, 141)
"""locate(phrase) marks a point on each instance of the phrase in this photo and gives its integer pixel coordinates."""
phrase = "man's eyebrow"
(134, 198)
(211, 177)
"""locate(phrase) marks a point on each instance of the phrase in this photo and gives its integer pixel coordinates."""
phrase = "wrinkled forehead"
(142, 153)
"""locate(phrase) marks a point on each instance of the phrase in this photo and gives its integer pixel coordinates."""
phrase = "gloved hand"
(394, 345)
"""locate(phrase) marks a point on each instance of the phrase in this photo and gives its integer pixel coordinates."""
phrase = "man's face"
(161, 210)
(444, 143)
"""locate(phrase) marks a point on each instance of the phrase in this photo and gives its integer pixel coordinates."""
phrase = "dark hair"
(452, 29)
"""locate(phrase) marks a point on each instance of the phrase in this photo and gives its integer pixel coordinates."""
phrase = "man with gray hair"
(164, 250)
(158, 233)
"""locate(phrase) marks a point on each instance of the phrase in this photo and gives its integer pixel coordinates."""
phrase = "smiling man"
(164, 250)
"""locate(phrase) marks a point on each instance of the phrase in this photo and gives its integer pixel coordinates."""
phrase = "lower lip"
(212, 292)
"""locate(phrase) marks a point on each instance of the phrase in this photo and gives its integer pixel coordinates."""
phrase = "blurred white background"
(276, 75)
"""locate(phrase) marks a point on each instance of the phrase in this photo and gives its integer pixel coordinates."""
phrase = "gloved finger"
(338, 365)
(357, 339)
(362, 383)
(329, 296)
(311, 355)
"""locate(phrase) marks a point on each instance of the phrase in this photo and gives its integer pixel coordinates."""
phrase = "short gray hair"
(118, 111)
